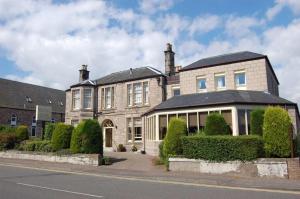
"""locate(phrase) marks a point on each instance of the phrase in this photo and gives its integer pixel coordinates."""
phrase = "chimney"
(83, 73)
(169, 60)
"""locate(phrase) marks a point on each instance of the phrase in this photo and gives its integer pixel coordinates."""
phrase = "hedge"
(49, 131)
(172, 142)
(256, 121)
(22, 133)
(276, 132)
(87, 138)
(61, 136)
(222, 148)
(216, 125)
(36, 145)
(7, 129)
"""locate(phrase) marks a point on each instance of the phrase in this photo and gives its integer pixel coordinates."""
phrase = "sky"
(45, 42)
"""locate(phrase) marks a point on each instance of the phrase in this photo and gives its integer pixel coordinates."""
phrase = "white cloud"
(204, 24)
(154, 6)
(294, 5)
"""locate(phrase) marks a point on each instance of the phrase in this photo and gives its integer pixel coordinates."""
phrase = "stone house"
(18, 102)
(134, 106)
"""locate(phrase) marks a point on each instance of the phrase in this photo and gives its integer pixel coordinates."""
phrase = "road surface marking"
(157, 181)
(60, 190)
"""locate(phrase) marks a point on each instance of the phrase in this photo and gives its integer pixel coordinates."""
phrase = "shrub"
(161, 150)
(276, 132)
(216, 125)
(7, 129)
(61, 136)
(87, 138)
(222, 147)
(7, 141)
(297, 145)
(22, 133)
(49, 131)
(256, 122)
(121, 148)
(134, 148)
(172, 142)
(36, 145)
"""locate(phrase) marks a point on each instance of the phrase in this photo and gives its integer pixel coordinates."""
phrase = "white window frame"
(13, 120)
(107, 98)
(216, 81)
(175, 88)
(240, 86)
(129, 94)
(33, 121)
(76, 103)
(200, 90)
(87, 99)
(138, 96)
(145, 92)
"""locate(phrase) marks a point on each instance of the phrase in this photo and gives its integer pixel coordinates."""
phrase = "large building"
(134, 106)
(18, 102)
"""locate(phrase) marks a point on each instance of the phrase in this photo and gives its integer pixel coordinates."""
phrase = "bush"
(22, 133)
(276, 132)
(61, 136)
(216, 125)
(7, 129)
(36, 145)
(49, 131)
(7, 141)
(87, 138)
(161, 151)
(222, 148)
(172, 142)
(256, 122)
(134, 148)
(297, 145)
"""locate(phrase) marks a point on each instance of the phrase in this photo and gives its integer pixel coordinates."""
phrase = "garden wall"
(265, 167)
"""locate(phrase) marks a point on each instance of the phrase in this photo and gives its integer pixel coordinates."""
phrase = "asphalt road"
(26, 183)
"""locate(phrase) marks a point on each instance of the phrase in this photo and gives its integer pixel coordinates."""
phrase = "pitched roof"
(84, 83)
(129, 75)
(221, 98)
(224, 59)
(20, 95)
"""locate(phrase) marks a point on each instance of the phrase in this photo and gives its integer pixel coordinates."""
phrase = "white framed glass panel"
(137, 89)
(137, 125)
(175, 91)
(129, 95)
(220, 81)
(146, 92)
(108, 98)
(129, 129)
(240, 79)
(87, 98)
(13, 120)
(201, 84)
(76, 99)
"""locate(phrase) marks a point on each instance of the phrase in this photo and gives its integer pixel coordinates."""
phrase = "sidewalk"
(158, 173)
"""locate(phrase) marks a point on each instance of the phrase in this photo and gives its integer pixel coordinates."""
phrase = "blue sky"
(45, 42)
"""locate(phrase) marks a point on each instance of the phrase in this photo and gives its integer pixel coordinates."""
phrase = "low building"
(18, 102)
(135, 106)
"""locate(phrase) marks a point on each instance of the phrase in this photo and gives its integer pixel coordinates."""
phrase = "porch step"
(294, 168)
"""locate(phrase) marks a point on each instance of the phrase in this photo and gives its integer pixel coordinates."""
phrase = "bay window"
(76, 99)
(87, 98)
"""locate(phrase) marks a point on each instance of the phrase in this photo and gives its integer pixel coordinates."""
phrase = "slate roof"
(84, 83)
(221, 98)
(129, 75)
(224, 59)
(15, 94)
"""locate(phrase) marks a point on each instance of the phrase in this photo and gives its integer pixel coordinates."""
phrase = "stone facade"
(258, 77)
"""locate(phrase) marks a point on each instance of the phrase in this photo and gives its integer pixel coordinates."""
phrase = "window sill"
(138, 106)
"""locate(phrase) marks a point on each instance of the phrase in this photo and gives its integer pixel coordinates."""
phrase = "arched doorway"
(107, 126)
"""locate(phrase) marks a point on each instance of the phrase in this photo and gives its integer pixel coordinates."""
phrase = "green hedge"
(22, 133)
(7, 129)
(257, 121)
(49, 128)
(36, 145)
(216, 125)
(87, 138)
(276, 130)
(61, 136)
(222, 148)
(172, 142)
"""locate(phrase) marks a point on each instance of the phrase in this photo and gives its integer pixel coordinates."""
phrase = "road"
(29, 183)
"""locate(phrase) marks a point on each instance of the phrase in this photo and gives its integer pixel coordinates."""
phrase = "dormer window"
(28, 99)
(240, 79)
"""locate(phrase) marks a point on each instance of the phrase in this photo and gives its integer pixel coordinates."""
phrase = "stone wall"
(260, 168)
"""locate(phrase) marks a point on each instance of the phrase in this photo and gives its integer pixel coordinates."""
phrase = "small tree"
(49, 131)
(216, 125)
(22, 133)
(172, 142)
(87, 138)
(276, 129)
(61, 136)
(256, 122)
